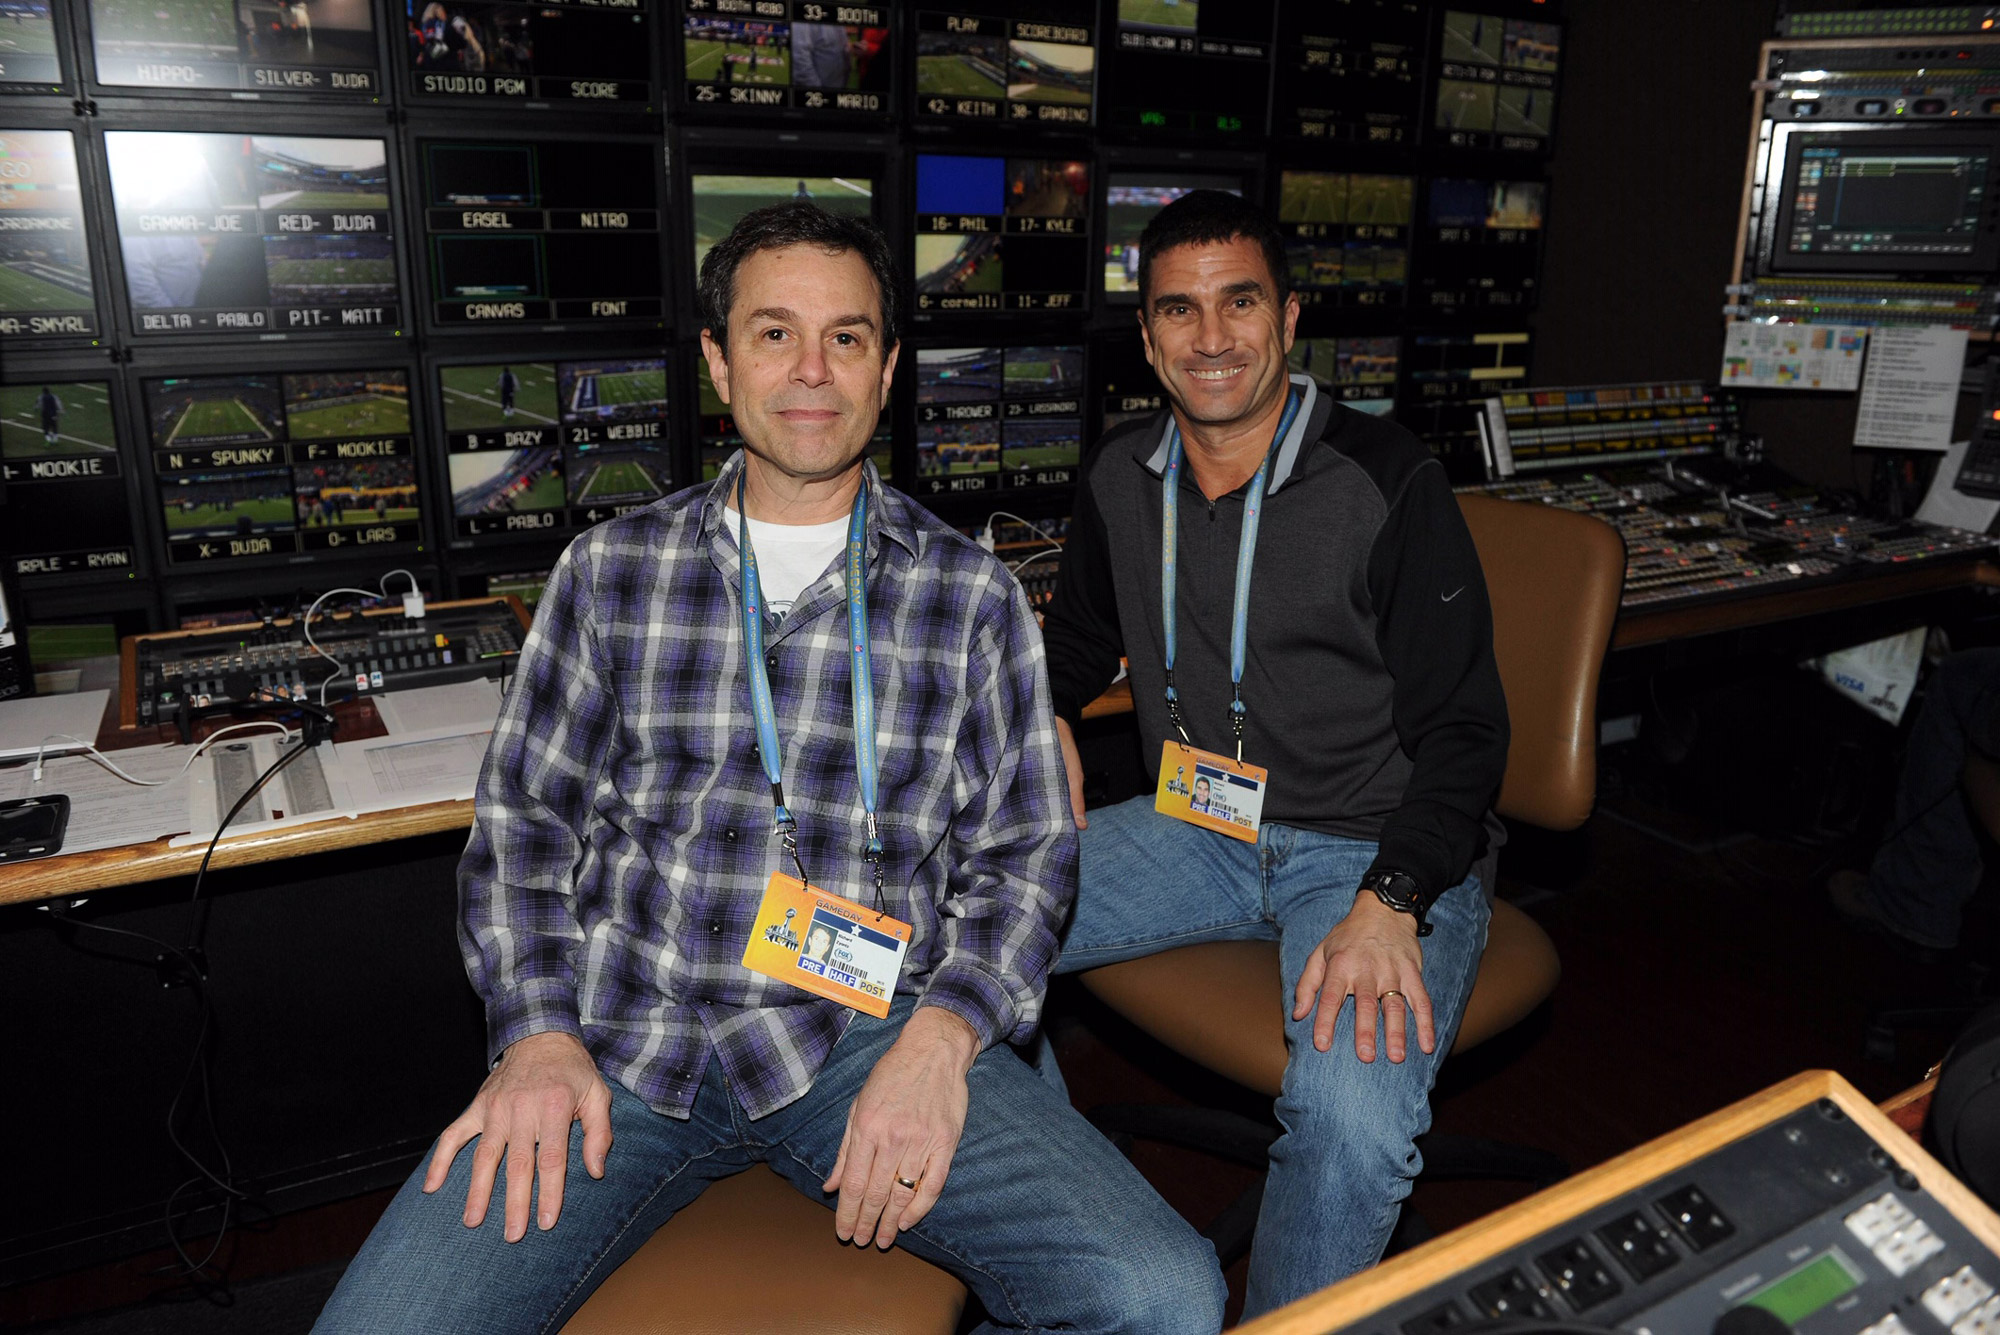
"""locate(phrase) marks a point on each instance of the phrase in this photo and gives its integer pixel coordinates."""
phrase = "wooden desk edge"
(104, 869)
(1353, 1300)
(1641, 626)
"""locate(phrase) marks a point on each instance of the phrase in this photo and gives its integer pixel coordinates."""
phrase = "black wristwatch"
(1400, 891)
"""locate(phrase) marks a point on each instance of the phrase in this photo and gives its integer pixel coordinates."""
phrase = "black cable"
(188, 957)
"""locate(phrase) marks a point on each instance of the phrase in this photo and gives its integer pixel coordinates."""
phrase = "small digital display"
(543, 447)
(28, 59)
(1480, 245)
(1812, 1287)
(270, 46)
(1001, 234)
(1123, 384)
(717, 437)
(1360, 372)
(813, 56)
(568, 51)
(538, 230)
(1019, 62)
(59, 456)
(45, 287)
(721, 201)
(1496, 81)
(1446, 378)
(280, 465)
(1130, 201)
(1347, 236)
(254, 234)
(999, 416)
(1858, 200)
(1191, 67)
(1350, 73)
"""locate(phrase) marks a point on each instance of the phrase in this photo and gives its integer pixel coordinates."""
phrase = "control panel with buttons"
(180, 676)
(1805, 1225)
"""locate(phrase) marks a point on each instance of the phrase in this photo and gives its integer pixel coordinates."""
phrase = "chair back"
(1554, 578)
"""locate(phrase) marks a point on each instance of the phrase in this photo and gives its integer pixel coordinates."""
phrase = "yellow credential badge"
(829, 946)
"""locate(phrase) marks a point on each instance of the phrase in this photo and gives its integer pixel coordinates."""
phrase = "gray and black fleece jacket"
(1369, 682)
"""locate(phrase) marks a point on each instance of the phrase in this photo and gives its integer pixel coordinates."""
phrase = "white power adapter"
(413, 605)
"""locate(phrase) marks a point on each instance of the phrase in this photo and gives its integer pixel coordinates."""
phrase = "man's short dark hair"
(793, 223)
(1210, 217)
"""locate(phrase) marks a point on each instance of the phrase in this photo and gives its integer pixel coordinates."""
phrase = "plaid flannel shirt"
(624, 835)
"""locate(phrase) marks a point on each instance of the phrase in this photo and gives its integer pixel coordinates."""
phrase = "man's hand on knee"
(1372, 954)
(903, 1128)
(522, 1115)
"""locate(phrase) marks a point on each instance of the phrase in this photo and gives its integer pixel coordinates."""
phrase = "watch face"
(1399, 889)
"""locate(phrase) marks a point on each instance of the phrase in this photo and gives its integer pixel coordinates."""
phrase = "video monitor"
(534, 230)
(575, 52)
(1006, 417)
(1496, 85)
(1360, 372)
(65, 480)
(1018, 62)
(721, 201)
(324, 47)
(1123, 384)
(1131, 198)
(283, 464)
(1191, 68)
(1446, 379)
(716, 436)
(1350, 73)
(1901, 201)
(801, 56)
(1000, 234)
(545, 447)
(1480, 246)
(28, 59)
(1347, 237)
(254, 234)
(45, 283)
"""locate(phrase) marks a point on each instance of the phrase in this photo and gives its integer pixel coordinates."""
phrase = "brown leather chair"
(752, 1256)
(1554, 578)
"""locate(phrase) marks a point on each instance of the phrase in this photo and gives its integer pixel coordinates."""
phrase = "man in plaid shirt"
(623, 843)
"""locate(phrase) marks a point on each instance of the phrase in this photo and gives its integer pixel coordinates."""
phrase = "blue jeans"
(1345, 1162)
(1930, 866)
(1042, 1219)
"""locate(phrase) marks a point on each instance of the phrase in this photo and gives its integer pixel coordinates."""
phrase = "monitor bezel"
(203, 121)
(160, 363)
(89, 178)
(72, 367)
(933, 323)
(26, 95)
(137, 95)
(427, 130)
(994, 490)
(1194, 162)
(1111, 91)
(692, 112)
(1788, 143)
(415, 99)
(467, 553)
(922, 122)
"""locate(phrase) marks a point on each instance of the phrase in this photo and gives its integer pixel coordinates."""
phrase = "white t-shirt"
(792, 556)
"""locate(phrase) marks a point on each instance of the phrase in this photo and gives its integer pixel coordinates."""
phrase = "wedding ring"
(902, 1181)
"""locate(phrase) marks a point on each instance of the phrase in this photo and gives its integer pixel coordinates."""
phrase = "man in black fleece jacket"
(1367, 690)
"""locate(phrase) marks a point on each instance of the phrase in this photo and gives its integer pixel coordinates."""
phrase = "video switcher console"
(181, 675)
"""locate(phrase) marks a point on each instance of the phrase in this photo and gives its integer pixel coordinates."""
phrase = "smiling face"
(1201, 790)
(1216, 331)
(804, 375)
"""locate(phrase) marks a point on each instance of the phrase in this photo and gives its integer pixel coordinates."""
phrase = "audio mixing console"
(181, 675)
(1688, 536)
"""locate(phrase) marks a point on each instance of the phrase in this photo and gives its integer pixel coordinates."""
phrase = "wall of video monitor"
(324, 282)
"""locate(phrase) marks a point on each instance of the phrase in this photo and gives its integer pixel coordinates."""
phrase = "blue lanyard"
(1246, 550)
(862, 675)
